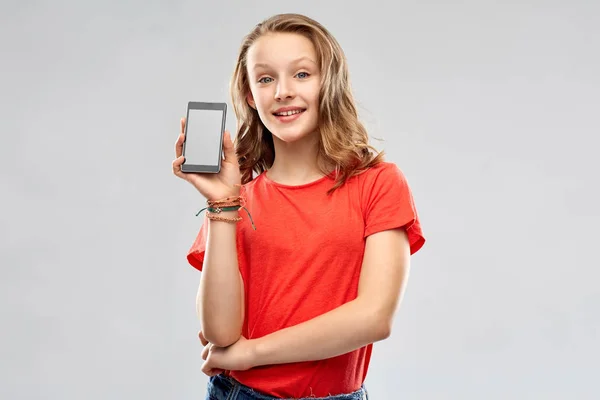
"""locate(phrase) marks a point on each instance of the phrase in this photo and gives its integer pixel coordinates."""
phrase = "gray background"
(491, 110)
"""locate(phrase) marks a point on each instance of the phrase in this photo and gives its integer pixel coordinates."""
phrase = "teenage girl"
(306, 243)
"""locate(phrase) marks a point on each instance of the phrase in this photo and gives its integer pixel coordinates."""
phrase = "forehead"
(279, 50)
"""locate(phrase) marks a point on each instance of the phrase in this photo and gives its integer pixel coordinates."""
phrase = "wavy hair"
(343, 140)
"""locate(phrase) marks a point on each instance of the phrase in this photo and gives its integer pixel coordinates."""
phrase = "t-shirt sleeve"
(195, 254)
(389, 204)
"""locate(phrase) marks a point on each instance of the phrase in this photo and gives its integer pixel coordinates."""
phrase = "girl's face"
(284, 85)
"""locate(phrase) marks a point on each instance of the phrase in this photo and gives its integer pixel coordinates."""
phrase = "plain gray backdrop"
(490, 108)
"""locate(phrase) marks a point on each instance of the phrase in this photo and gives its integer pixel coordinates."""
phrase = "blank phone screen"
(203, 137)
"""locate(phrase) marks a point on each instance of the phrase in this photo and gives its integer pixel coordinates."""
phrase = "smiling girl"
(290, 307)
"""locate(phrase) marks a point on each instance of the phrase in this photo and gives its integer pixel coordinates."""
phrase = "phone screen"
(203, 137)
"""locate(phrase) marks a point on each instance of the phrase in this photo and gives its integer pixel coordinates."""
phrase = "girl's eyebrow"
(296, 61)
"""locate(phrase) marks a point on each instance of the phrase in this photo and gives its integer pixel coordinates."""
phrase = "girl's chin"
(290, 136)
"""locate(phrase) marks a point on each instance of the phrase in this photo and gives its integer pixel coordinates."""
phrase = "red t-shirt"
(304, 259)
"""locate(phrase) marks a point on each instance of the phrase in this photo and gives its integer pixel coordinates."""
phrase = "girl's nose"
(284, 91)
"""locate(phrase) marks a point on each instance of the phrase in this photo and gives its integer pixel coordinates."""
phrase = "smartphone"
(203, 143)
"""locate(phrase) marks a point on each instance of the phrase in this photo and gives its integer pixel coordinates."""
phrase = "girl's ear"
(250, 100)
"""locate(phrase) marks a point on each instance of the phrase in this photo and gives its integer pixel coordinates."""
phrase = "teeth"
(285, 113)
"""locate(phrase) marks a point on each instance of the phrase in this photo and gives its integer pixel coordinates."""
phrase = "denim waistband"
(221, 387)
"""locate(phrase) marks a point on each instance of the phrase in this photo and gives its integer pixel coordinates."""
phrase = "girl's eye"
(302, 75)
(262, 80)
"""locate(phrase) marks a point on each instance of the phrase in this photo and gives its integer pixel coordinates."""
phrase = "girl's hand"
(237, 357)
(211, 186)
(215, 371)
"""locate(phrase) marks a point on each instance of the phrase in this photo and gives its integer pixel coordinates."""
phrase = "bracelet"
(219, 210)
(213, 217)
(216, 207)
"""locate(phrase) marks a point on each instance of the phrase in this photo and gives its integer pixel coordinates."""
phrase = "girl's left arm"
(362, 321)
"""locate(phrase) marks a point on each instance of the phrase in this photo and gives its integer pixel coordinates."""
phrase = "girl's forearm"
(220, 300)
(340, 331)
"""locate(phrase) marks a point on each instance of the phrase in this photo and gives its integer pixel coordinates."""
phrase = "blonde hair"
(343, 143)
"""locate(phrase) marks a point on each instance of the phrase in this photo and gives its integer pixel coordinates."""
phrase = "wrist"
(228, 214)
(227, 209)
(231, 209)
(257, 352)
(234, 193)
(224, 218)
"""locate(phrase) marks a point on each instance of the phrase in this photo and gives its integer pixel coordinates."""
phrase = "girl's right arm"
(220, 300)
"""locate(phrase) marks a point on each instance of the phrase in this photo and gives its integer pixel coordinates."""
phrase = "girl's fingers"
(229, 149)
(179, 145)
(177, 165)
(180, 138)
(205, 352)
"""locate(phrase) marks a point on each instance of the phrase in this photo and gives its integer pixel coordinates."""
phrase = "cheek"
(261, 99)
(315, 93)
(262, 108)
(262, 105)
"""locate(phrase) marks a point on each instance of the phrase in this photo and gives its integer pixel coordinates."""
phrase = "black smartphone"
(203, 143)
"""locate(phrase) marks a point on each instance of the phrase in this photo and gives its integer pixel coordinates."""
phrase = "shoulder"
(383, 173)
(384, 182)
(388, 203)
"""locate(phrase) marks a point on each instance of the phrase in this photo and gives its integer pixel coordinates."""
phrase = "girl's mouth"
(288, 113)
(288, 116)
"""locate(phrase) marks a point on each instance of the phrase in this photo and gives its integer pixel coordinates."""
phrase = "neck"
(295, 163)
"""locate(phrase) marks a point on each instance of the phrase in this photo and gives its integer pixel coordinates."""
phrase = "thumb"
(229, 149)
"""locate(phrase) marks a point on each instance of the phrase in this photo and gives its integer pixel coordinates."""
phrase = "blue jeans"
(221, 387)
